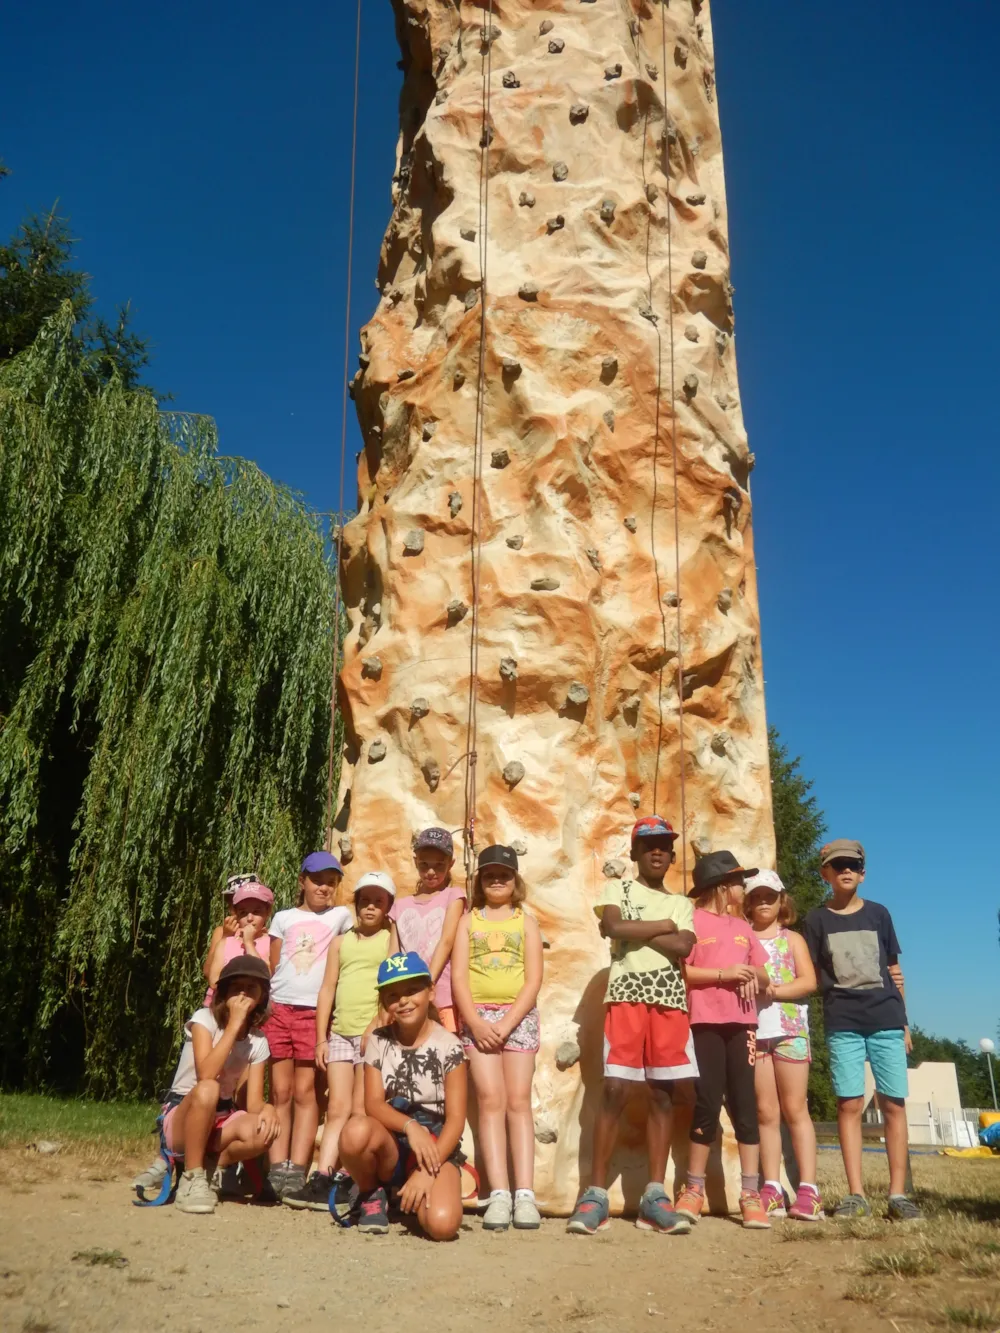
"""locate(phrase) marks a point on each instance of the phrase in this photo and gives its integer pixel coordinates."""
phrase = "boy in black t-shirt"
(856, 955)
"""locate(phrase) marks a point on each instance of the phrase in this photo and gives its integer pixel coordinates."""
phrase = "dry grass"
(972, 1316)
(97, 1140)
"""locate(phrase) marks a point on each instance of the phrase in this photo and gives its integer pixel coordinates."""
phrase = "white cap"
(764, 879)
(376, 879)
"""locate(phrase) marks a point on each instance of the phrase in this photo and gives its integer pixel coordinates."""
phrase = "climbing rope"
(343, 439)
(475, 535)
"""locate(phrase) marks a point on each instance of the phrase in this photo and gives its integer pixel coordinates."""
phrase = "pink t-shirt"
(233, 948)
(419, 922)
(722, 941)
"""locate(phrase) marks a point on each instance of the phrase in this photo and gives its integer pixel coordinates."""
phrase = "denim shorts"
(884, 1051)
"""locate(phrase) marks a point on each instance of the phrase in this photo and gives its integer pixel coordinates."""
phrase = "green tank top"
(356, 1001)
(496, 958)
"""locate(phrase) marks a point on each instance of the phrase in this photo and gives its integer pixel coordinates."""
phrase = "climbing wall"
(614, 506)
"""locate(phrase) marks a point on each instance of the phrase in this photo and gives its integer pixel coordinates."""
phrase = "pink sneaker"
(774, 1202)
(808, 1206)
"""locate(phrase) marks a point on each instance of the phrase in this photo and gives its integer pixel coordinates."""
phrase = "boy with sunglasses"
(856, 955)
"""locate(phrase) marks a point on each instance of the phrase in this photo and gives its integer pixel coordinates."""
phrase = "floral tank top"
(781, 1018)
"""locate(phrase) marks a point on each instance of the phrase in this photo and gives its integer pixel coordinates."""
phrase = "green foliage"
(970, 1065)
(166, 620)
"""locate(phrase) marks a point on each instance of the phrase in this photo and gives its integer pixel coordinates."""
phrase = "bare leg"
(368, 1151)
(192, 1123)
(792, 1080)
(613, 1095)
(518, 1071)
(897, 1141)
(491, 1096)
(441, 1215)
(239, 1139)
(282, 1082)
(340, 1076)
(749, 1158)
(698, 1158)
(849, 1131)
(306, 1118)
(769, 1108)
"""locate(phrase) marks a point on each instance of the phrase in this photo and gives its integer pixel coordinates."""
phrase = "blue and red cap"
(652, 826)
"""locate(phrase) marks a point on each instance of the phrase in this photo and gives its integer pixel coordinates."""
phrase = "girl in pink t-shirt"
(252, 904)
(426, 922)
(724, 971)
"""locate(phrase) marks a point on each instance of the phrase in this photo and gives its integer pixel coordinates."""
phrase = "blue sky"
(202, 154)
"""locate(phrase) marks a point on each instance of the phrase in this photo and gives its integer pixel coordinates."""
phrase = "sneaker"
(313, 1193)
(852, 1206)
(903, 1209)
(291, 1180)
(808, 1206)
(374, 1212)
(194, 1194)
(526, 1214)
(153, 1176)
(344, 1200)
(656, 1214)
(267, 1194)
(754, 1214)
(498, 1212)
(774, 1202)
(591, 1213)
(689, 1203)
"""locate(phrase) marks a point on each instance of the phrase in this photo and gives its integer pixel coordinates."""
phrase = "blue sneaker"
(656, 1214)
(591, 1213)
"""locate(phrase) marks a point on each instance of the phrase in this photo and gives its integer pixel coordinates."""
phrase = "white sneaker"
(497, 1216)
(526, 1214)
(194, 1194)
(153, 1176)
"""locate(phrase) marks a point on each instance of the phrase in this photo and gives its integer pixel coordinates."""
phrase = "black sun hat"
(498, 855)
(713, 868)
(246, 967)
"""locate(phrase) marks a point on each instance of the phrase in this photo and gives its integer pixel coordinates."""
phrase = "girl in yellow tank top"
(495, 978)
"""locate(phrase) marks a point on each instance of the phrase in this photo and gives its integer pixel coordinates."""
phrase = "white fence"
(945, 1129)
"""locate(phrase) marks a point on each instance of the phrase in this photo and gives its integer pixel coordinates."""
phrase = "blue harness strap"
(174, 1164)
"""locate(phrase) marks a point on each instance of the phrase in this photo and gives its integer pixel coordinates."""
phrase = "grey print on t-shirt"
(855, 958)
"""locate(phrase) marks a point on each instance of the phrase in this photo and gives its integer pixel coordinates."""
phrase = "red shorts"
(291, 1032)
(647, 1043)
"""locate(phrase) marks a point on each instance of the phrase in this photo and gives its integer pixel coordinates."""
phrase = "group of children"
(381, 1015)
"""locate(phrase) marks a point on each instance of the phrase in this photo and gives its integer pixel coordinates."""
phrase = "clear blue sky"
(202, 154)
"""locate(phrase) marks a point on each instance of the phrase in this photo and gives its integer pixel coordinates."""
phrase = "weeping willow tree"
(166, 620)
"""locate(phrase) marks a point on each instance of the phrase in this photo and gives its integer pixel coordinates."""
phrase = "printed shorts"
(793, 1050)
(884, 1051)
(647, 1043)
(291, 1032)
(214, 1144)
(525, 1037)
(344, 1050)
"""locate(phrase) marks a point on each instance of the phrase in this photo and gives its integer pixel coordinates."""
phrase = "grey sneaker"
(194, 1194)
(498, 1213)
(852, 1206)
(292, 1179)
(903, 1209)
(591, 1213)
(656, 1214)
(526, 1214)
(153, 1176)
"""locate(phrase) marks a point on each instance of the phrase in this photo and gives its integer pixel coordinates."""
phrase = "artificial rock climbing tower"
(614, 541)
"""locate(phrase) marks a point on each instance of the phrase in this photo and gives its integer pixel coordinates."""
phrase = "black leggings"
(725, 1053)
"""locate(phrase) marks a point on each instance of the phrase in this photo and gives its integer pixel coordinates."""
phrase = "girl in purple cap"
(426, 922)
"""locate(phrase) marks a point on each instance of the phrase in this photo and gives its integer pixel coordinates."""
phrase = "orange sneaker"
(689, 1203)
(754, 1213)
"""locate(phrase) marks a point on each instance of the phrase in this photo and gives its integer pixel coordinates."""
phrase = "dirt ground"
(254, 1267)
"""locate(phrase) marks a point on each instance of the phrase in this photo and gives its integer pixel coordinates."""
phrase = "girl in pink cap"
(252, 905)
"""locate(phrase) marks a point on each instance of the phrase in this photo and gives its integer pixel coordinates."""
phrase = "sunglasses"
(840, 863)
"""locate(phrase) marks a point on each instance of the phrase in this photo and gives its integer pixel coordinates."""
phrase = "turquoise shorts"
(884, 1051)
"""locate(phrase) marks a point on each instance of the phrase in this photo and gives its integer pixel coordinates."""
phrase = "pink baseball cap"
(255, 891)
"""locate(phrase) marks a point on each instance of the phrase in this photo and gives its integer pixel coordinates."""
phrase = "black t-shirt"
(851, 955)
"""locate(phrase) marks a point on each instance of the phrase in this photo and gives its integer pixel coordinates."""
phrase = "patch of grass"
(864, 1290)
(26, 1117)
(95, 1258)
(901, 1263)
(972, 1316)
(795, 1231)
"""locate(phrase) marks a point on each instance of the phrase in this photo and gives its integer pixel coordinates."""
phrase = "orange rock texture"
(559, 214)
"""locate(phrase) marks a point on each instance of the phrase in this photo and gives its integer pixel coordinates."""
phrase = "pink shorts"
(291, 1032)
(214, 1143)
(525, 1037)
(344, 1050)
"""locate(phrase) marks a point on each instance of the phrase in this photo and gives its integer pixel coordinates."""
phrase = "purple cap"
(317, 861)
(438, 838)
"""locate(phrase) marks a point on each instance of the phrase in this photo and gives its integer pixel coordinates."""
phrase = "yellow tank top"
(496, 958)
(356, 1001)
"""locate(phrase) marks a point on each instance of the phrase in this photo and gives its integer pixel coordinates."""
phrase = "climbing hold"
(607, 210)
(508, 669)
(594, 556)
(613, 869)
(630, 522)
(468, 233)
(721, 742)
(515, 543)
(545, 26)
(560, 171)
(471, 297)
(695, 200)
(429, 428)
(647, 312)
(432, 774)
(364, 361)
(511, 366)
(441, 97)
(721, 342)
(376, 610)
(724, 600)
(634, 799)
(371, 668)
(406, 374)
(528, 291)
(690, 385)
(520, 846)
(454, 503)
(671, 599)
(546, 584)
(489, 35)
(413, 542)
(457, 610)
(577, 694)
(609, 420)
(499, 458)
(556, 45)
(376, 752)
(578, 113)
(633, 27)
(346, 849)
(631, 705)
(510, 80)
(681, 55)
(691, 333)
(555, 224)
(612, 72)
(545, 1133)
(567, 1054)
(459, 379)
(609, 368)
(486, 138)
(699, 259)
(653, 72)
(751, 462)
(419, 708)
(526, 200)
(732, 500)
(652, 193)
(513, 773)
(395, 295)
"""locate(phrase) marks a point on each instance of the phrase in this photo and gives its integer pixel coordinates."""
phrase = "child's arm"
(209, 1060)
(896, 972)
(216, 958)
(805, 974)
(676, 945)
(485, 1035)
(324, 1001)
(447, 941)
(217, 936)
(636, 932)
(393, 940)
(275, 958)
(527, 996)
(738, 975)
